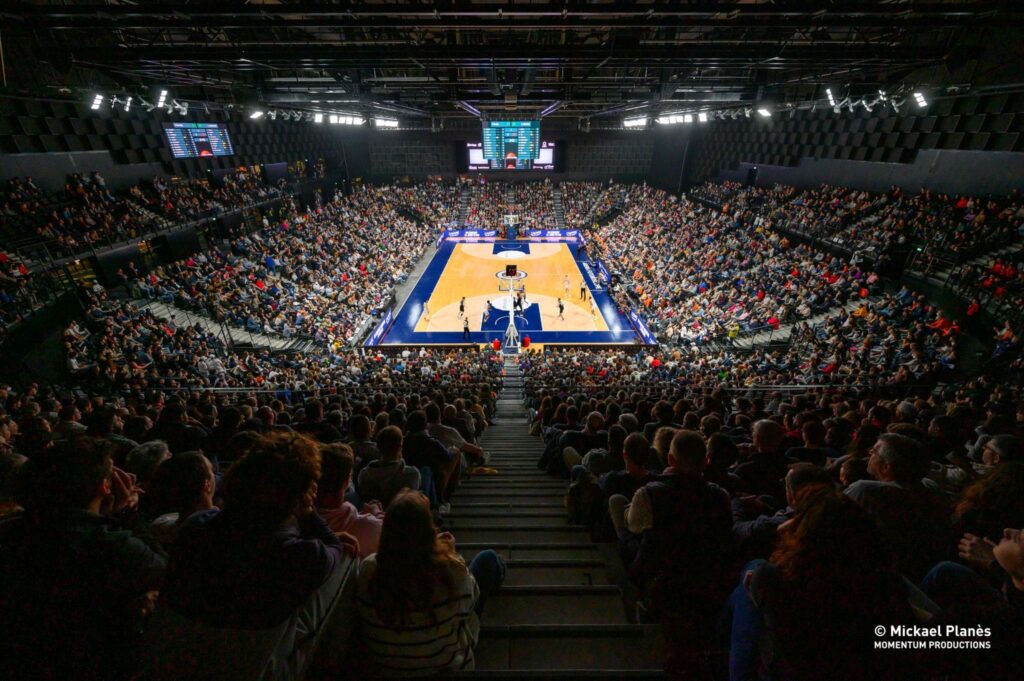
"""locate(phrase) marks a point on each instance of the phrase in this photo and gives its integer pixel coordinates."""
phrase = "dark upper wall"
(65, 132)
(954, 172)
(977, 123)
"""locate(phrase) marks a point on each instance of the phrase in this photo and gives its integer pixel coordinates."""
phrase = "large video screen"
(478, 161)
(198, 140)
(511, 141)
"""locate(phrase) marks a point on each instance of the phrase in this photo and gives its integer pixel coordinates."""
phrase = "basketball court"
(477, 272)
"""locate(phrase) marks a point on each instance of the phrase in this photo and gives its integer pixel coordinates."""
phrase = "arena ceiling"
(584, 60)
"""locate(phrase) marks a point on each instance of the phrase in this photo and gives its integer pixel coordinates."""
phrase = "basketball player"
(462, 307)
(593, 309)
(487, 312)
(465, 328)
(561, 310)
(583, 289)
(565, 285)
(426, 310)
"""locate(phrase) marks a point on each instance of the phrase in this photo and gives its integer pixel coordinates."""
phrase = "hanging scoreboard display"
(511, 143)
(198, 140)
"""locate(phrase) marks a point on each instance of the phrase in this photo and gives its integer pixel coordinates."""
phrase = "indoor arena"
(528, 340)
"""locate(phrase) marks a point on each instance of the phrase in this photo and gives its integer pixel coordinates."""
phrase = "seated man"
(387, 475)
(577, 443)
(255, 563)
(684, 560)
(914, 521)
(426, 453)
(337, 464)
(76, 569)
(756, 536)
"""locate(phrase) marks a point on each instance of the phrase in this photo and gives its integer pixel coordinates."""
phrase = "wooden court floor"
(472, 272)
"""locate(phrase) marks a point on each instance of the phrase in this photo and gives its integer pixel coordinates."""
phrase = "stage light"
(318, 118)
(638, 122)
(333, 119)
(702, 117)
(919, 98)
(764, 113)
(831, 98)
(385, 122)
(128, 103)
(867, 106)
(162, 99)
(746, 112)
(97, 102)
(687, 118)
(895, 104)
(256, 114)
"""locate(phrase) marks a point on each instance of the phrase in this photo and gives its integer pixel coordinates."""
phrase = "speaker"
(461, 156)
(560, 156)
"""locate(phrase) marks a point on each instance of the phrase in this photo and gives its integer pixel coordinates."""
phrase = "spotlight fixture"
(256, 114)
(868, 107)
(97, 102)
(746, 112)
(163, 98)
(385, 122)
(831, 98)
(765, 113)
(637, 122)
(145, 104)
(919, 98)
(318, 118)
(895, 104)
(333, 119)
(687, 118)
(272, 114)
(128, 103)
(702, 117)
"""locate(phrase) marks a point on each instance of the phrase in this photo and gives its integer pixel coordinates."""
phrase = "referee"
(583, 289)
(465, 329)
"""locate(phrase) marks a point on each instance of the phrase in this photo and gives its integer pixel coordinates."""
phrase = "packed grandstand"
(850, 445)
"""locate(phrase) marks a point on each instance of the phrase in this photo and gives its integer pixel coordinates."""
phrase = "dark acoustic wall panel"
(133, 137)
(976, 123)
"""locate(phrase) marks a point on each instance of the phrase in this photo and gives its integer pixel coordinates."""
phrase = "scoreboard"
(198, 140)
(511, 141)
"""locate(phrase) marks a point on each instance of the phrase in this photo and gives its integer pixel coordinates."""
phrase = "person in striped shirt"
(419, 604)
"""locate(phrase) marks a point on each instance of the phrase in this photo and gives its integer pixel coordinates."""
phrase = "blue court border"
(403, 330)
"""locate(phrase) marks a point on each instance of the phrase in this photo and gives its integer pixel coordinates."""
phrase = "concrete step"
(555, 572)
(513, 520)
(568, 647)
(477, 533)
(579, 550)
(511, 496)
(555, 605)
(554, 675)
(458, 505)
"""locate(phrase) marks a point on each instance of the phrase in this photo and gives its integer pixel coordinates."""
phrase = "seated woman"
(810, 611)
(419, 605)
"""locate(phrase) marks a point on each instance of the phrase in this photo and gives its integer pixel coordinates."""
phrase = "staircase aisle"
(559, 209)
(464, 205)
(557, 615)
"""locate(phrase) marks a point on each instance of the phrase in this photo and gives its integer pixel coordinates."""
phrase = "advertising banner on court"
(470, 234)
(640, 325)
(378, 331)
(606, 276)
